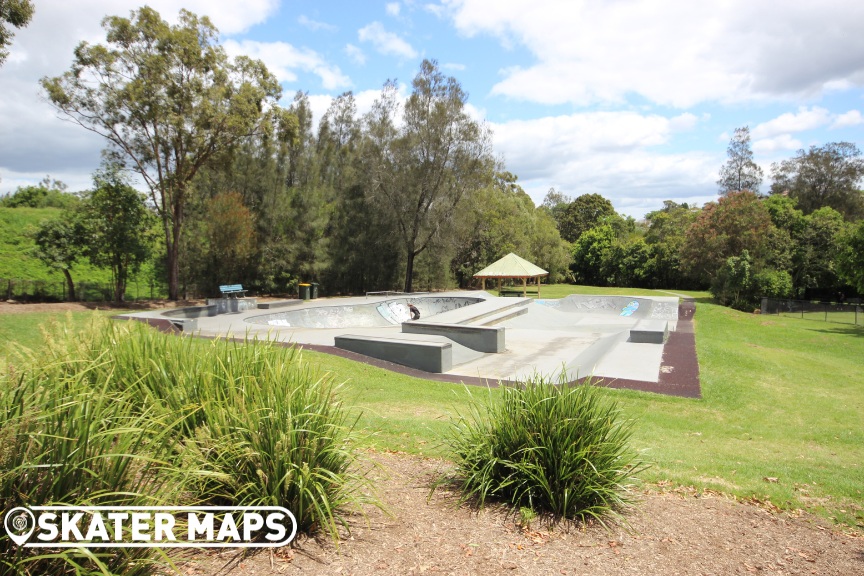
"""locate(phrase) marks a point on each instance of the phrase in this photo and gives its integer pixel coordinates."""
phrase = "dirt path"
(670, 534)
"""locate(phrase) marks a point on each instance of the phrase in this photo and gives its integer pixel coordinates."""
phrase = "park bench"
(232, 291)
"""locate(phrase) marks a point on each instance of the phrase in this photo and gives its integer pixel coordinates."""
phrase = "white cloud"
(851, 118)
(608, 153)
(683, 122)
(315, 25)
(386, 42)
(671, 52)
(804, 119)
(437, 10)
(355, 54)
(283, 59)
(556, 139)
(229, 16)
(778, 143)
(393, 9)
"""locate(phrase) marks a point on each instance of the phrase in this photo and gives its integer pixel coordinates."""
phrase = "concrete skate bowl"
(621, 306)
(387, 313)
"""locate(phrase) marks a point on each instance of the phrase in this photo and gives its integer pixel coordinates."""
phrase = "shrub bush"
(556, 449)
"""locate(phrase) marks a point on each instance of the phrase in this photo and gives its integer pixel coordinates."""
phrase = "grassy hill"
(17, 263)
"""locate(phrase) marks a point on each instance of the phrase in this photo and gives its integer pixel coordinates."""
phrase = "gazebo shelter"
(514, 267)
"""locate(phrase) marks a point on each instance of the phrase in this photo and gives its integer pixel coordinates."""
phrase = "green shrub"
(556, 449)
(739, 285)
(772, 284)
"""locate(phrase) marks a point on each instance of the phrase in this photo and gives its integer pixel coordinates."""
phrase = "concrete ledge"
(650, 332)
(480, 338)
(278, 304)
(424, 355)
(229, 305)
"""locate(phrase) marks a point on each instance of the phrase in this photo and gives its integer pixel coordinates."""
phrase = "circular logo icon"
(19, 524)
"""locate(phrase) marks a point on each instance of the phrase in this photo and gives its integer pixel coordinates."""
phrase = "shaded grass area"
(780, 419)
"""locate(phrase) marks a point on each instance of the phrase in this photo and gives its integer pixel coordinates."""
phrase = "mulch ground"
(674, 533)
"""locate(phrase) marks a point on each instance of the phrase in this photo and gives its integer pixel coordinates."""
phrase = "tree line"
(802, 240)
(408, 195)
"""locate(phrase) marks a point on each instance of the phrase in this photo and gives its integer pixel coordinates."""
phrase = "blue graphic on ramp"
(630, 308)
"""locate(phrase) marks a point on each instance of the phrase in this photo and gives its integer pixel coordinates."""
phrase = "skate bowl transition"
(391, 312)
(470, 336)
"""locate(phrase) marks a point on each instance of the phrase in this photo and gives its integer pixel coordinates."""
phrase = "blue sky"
(634, 100)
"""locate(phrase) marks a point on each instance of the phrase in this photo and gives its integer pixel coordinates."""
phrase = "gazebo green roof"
(511, 266)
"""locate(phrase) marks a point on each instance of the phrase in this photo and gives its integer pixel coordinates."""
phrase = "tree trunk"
(120, 284)
(70, 284)
(173, 273)
(409, 272)
(174, 250)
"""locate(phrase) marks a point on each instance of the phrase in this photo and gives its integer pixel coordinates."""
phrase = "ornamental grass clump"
(275, 434)
(554, 449)
(119, 414)
(67, 438)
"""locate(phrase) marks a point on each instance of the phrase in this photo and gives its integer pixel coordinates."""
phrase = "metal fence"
(44, 291)
(848, 312)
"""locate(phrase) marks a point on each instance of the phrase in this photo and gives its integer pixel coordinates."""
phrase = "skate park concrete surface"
(578, 335)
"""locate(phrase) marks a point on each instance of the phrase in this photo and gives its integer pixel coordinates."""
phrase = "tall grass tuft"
(120, 414)
(555, 449)
(70, 439)
(276, 434)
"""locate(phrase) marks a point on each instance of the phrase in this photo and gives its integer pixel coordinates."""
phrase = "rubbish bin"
(304, 291)
(313, 292)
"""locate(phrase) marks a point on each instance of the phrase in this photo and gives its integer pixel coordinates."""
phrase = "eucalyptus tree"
(828, 175)
(169, 100)
(17, 13)
(424, 166)
(740, 172)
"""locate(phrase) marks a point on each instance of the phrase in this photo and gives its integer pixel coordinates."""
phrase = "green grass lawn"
(781, 418)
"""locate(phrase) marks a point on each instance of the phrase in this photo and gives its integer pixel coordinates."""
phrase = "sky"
(633, 100)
